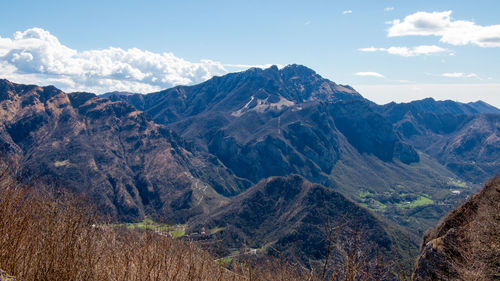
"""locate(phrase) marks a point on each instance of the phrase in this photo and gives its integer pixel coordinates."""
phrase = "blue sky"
(444, 49)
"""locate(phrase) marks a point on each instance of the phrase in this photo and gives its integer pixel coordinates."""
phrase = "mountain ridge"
(106, 149)
(274, 122)
(448, 106)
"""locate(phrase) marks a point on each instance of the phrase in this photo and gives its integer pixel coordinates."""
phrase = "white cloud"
(370, 74)
(407, 52)
(370, 49)
(389, 9)
(454, 32)
(459, 75)
(346, 12)
(36, 56)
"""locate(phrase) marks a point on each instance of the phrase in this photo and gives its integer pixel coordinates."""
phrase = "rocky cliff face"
(109, 151)
(466, 244)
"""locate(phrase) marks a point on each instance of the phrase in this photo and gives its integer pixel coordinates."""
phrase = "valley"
(271, 160)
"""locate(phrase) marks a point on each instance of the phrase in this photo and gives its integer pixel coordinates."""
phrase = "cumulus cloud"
(407, 52)
(346, 12)
(37, 56)
(454, 32)
(369, 74)
(459, 75)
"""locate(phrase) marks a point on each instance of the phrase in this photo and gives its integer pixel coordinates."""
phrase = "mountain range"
(219, 155)
(410, 162)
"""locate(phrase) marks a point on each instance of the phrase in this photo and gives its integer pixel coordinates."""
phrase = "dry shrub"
(474, 246)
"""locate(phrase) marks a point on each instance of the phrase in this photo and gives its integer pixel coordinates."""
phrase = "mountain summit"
(272, 122)
(275, 122)
(235, 94)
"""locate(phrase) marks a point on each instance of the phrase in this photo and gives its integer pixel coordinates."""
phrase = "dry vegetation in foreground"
(47, 235)
(466, 244)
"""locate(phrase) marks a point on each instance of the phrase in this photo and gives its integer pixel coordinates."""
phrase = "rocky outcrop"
(466, 244)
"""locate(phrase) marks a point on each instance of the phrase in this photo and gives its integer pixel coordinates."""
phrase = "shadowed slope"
(463, 137)
(290, 214)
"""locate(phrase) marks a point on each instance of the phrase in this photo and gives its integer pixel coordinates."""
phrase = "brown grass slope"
(466, 245)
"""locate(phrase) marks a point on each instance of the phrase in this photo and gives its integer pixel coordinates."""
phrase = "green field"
(457, 183)
(225, 262)
(420, 201)
(175, 231)
(178, 233)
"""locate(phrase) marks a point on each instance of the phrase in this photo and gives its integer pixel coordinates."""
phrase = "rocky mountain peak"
(297, 70)
(296, 83)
